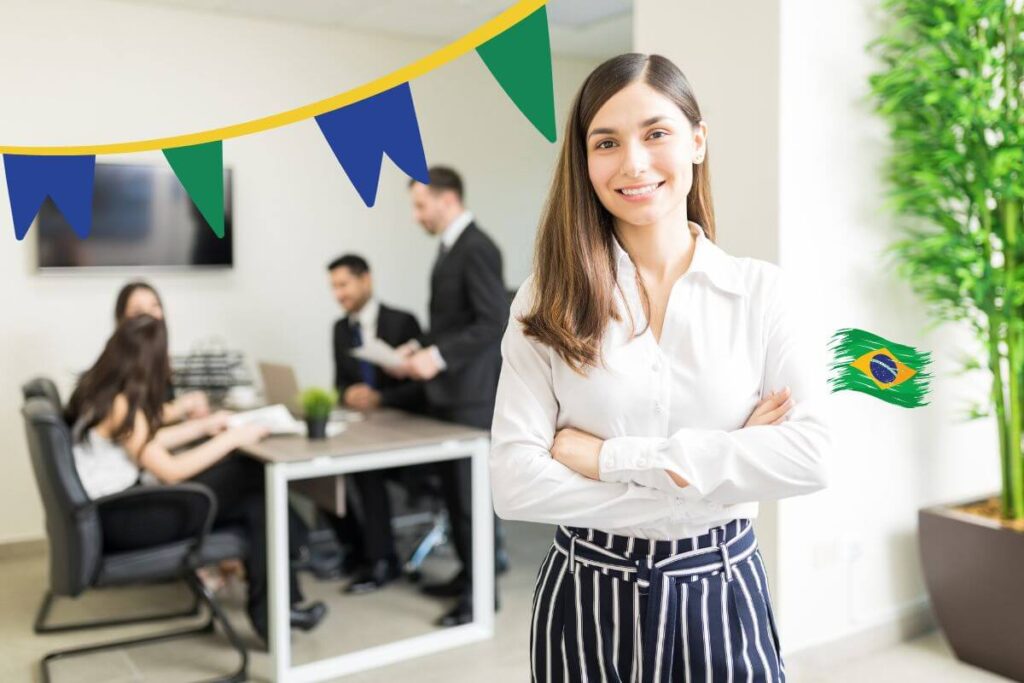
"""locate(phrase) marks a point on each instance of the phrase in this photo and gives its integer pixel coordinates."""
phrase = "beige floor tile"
(359, 621)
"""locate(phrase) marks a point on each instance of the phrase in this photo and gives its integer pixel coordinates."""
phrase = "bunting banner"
(67, 180)
(361, 126)
(200, 169)
(520, 60)
(362, 133)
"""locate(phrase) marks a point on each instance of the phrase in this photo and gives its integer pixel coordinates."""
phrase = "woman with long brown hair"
(116, 418)
(141, 298)
(653, 390)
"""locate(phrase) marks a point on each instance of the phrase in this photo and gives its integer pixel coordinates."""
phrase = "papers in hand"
(378, 352)
(276, 418)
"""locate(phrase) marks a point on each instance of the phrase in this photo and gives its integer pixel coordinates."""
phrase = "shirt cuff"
(639, 459)
(438, 357)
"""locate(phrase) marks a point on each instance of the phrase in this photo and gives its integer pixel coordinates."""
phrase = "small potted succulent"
(317, 404)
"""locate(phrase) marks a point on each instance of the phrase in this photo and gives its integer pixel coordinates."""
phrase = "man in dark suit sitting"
(460, 358)
(363, 386)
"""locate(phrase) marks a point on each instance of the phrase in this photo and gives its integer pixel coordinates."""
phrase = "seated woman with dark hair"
(116, 413)
(141, 298)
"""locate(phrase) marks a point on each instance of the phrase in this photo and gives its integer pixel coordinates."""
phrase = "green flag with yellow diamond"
(893, 372)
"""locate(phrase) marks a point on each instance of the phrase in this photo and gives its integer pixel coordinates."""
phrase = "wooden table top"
(379, 430)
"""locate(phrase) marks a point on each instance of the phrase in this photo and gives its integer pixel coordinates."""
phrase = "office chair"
(419, 485)
(43, 387)
(74, 531)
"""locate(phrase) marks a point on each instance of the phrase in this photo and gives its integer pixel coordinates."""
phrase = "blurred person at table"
(120, 441)
(361, 384)
(365, 532)
(138, 298)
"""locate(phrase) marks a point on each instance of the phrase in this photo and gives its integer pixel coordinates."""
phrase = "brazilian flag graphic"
(865, 362)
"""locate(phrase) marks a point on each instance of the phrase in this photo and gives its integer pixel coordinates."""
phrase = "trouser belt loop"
(727, 563)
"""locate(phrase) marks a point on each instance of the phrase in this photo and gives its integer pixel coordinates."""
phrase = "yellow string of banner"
(448, 53)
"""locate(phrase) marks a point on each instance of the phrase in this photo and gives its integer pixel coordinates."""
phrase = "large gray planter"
(974, 571)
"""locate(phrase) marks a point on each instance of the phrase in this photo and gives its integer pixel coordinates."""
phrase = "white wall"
(849, 555)
(801, 169)
(91, 72)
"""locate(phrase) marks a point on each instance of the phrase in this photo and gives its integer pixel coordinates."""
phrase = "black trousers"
(366, 527)
(237, 484)
(457, 485)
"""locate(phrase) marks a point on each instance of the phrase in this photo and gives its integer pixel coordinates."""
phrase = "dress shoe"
(462, 613)
(304, 618)
(449, 589)
(308, 618)
(372, 576)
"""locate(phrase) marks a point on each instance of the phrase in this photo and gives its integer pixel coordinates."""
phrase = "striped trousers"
(618, 609)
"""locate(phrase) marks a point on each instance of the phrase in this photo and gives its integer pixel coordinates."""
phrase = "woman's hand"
(247, 435)
(216, 423)
(192, 404)
(579, 451)
(772, 410)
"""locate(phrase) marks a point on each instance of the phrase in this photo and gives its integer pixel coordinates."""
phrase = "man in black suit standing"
(460, 358)
(364, 386)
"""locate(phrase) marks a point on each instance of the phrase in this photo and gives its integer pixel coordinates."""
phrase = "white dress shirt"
(729, 338)
(366, 317)
(450, 235)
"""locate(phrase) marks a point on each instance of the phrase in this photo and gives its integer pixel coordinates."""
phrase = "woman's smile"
(640, 193)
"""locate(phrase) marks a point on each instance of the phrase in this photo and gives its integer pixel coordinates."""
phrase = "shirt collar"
(367, 315)
(454, 230)
(708, 258)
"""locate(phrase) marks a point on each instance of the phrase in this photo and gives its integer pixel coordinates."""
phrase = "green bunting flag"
(359, 125)
(200, 168)
(878, 367)
(520, 60)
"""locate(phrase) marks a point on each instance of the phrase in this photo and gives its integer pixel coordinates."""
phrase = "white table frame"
(278, 474)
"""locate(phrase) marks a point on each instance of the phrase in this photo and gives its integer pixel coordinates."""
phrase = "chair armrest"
(149, 493)
(194, 503)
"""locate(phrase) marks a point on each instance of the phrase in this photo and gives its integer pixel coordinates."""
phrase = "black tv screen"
(141, 216)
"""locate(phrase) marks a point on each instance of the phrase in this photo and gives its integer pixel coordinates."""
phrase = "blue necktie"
(366, 369)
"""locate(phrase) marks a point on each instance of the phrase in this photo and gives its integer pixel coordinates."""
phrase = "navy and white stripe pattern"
(617, 609)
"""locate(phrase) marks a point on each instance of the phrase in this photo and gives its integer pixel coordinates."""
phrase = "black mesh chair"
(74, 530)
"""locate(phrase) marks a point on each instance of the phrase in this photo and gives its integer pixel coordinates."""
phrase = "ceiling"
(579, 28)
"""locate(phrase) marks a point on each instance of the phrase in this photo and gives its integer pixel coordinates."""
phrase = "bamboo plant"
(950, 90)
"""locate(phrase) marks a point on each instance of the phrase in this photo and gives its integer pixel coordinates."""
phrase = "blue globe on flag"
(884, 368)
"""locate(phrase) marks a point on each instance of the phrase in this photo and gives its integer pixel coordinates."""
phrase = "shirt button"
(641, 463)
(655, 367)
(657, 408)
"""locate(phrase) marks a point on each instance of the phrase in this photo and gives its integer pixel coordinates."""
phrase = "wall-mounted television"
(141, 217)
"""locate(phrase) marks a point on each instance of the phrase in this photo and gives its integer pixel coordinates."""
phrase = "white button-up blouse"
(729, 338)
